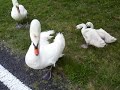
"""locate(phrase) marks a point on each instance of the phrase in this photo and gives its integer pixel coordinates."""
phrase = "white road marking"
(11, 81)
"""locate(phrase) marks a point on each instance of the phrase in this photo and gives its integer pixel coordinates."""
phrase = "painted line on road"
(11, 81)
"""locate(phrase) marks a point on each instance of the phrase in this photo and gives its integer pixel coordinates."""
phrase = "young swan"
(18, 13)
(103, 34)
(91, 36)
(41, 53)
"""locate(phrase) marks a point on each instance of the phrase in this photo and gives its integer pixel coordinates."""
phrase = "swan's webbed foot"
(27, 26)
(22, 26)
(19, 26)
(84, 46)
(47, 76)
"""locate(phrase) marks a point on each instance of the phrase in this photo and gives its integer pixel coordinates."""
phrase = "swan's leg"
(84, 45)
(27, 25)
(23, 24)
(47, 76)
(19, 25)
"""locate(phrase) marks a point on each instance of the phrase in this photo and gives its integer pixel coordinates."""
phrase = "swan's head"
(35, 29)
(80, 26)
(89, 25)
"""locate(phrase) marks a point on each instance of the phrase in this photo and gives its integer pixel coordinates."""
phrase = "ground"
(32, 78)
(92, 68)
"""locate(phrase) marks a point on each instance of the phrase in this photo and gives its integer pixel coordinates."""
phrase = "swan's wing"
(45, 36)
(23, 11)
(89, 35)
(95, 39)
(53, 51)
(106, 36)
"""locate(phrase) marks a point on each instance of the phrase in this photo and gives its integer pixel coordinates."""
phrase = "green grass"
(90, 68)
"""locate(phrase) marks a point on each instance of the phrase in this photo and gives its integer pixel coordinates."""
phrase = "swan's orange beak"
(36, 51)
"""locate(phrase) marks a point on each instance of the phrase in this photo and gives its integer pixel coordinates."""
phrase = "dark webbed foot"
(19, 26)
(27, 26)
(47, 76)
(22, 26)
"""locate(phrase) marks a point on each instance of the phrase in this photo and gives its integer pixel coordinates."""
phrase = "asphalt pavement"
(31, 78)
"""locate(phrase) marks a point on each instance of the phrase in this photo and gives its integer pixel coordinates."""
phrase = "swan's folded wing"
(95, 39)
(45, 36)
(23, 11)
(106, 36)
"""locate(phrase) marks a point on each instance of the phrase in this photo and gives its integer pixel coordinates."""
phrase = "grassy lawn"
(90, 69)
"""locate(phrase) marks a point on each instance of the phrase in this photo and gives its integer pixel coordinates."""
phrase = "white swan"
(18, 13)
(103, 34)
(41, 53)
(91, 36)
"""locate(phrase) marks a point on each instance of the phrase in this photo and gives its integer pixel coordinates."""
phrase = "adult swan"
(18, 13)
(41, 53)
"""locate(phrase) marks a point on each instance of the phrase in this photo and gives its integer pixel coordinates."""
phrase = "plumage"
(91, 36)
(49, 53)
(102, 33)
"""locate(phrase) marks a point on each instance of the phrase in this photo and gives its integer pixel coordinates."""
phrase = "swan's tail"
(15, 2)
(106, 36)
(60, 39)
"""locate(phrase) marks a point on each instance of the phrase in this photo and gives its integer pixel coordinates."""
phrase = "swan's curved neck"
(91, 25)
(83, 26)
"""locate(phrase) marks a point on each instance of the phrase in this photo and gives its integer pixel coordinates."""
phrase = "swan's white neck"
(35, 30)
(15, 2)
(31, 59)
